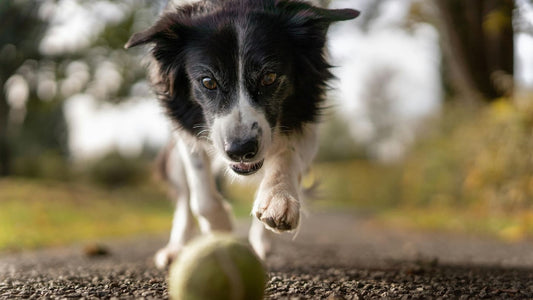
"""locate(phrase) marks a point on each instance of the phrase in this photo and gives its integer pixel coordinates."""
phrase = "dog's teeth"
(246, 168)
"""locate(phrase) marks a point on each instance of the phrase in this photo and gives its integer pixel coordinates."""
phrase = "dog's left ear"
(303, 13)
(335, 15)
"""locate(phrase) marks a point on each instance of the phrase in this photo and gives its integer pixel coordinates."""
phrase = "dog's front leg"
(277, 203)
(206, 203)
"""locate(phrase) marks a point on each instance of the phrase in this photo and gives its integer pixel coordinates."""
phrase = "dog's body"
(243, 80)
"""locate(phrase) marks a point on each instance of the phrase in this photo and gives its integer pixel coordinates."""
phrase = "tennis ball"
(217, 266)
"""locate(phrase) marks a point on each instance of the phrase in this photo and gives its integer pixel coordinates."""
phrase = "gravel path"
(335, 256)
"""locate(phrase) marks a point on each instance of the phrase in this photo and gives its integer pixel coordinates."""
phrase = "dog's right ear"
(166, 28)
(141, 38)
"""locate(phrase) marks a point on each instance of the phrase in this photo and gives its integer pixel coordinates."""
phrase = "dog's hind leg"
(206, 203)
(183, 224)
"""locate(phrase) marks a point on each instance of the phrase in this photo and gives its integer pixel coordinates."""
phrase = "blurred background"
(429, 127)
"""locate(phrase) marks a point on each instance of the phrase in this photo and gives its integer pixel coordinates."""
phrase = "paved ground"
(335, 256)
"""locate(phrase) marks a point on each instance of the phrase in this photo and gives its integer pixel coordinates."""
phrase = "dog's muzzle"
(243, 153)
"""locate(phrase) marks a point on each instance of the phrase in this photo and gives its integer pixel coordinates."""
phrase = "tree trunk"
(478, 43)
(5, 168)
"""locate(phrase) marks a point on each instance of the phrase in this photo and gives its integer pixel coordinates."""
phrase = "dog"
(243, 82)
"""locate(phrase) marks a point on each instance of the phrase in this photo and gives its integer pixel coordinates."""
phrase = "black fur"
(202, 40)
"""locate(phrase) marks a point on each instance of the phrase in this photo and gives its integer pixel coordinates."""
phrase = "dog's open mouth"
(245, 168)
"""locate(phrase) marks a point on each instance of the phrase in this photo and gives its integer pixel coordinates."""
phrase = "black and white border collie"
(244, 82)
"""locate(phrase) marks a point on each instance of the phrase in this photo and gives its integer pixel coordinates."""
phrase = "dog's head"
(241, 72)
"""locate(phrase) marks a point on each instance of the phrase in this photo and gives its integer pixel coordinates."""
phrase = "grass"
(45, 213)
(38, 213)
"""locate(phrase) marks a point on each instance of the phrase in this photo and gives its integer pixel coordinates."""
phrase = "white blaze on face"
(243, 122)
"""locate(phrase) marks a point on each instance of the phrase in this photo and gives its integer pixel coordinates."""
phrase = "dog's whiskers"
(203, 131)
(204, 134)
(203, 128)
(211, 152)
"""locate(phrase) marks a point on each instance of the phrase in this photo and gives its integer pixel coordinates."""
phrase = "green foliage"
(483, 160)
(48, 164)
(115, 170)
(114, 36)
(358, 183)
(104, 71)
(40, 147)
(17, 19)
(336, 143)
(473, 174)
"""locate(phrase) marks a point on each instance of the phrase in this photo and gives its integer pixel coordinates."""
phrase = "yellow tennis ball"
(217, 266)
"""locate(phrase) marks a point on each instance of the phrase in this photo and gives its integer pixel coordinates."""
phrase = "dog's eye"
(209, 83)
(268, 79)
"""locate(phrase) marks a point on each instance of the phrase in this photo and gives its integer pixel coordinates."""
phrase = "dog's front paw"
(278, 210)
(165, 256)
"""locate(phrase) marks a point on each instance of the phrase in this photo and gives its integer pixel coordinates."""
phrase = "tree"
(478, 44)
(94, 65)
(20, 32)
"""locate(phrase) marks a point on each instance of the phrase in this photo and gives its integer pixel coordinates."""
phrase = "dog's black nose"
(242, 150)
